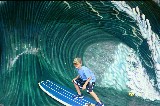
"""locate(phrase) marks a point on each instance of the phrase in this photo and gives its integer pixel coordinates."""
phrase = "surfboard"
(64, 95)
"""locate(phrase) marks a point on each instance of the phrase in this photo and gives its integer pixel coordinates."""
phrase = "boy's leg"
(77, 89)
(95, 96)
(90, 87)
(78, 83)
(78, 86)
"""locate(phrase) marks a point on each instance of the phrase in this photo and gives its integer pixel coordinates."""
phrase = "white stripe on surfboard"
(60, 87)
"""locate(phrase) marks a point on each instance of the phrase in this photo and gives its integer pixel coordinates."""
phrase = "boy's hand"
(73, 79)
(84, 87)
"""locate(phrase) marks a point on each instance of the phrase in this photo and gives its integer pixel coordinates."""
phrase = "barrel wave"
(118, 40)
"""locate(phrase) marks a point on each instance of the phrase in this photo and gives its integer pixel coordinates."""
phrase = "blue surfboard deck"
(63, 94)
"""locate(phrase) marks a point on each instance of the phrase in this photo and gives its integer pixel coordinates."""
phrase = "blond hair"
(77, 60)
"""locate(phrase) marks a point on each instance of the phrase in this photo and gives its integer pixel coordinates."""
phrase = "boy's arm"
(88, 75)
(76, 77)
(87, 81)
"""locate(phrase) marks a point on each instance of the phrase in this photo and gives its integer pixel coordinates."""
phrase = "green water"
(39, 41)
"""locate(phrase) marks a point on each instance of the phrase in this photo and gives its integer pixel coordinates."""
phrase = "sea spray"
(27, 51)
(147, 33)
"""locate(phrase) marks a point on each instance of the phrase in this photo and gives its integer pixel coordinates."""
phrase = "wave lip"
(157, 1)
(153, 43)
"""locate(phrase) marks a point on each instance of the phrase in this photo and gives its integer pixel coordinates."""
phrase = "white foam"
(67, 4)
(26, 51)
(1, 2)
(152, 38)
(90, 6)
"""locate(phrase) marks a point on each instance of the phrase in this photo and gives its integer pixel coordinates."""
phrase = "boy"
(85, 80)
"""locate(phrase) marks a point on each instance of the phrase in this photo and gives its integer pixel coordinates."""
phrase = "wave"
(41, 39)
(153, 42)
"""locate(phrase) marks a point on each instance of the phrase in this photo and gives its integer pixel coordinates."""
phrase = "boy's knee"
(89, 92)
(74, 82)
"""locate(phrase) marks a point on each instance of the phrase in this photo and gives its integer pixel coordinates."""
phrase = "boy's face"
(77, 65)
